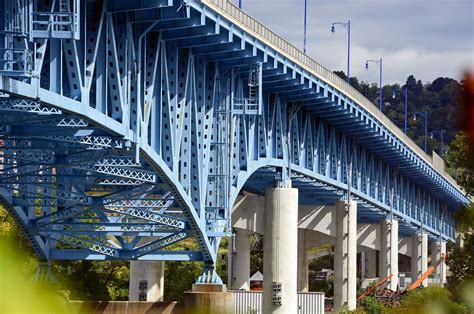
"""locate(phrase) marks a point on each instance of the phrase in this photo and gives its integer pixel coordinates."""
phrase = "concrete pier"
(438, 249)
(388, 260)
(280, 251)
(303, 285)
(240, 260)
(369, 269)
(419, 256)
(147, 281)
(345, 255)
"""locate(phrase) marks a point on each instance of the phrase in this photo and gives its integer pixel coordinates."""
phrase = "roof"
(258, 276)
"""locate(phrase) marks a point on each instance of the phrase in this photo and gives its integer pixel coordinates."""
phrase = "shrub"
(433, 299)
(372, 306)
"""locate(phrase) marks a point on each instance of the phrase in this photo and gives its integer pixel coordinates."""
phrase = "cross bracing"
(149, 120)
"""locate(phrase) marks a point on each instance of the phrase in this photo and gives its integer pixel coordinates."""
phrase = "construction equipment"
(373, 288)
(428, 272)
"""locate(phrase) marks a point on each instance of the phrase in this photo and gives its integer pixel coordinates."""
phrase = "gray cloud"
(426, 38)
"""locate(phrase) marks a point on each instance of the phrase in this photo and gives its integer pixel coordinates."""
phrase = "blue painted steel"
(136, 126)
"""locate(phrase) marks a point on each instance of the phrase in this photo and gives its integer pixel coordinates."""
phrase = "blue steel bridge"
(129, 126)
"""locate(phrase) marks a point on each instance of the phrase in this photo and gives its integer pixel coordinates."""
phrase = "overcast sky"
(426, 38)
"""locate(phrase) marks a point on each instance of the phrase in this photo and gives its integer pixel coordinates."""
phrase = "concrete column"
(147, 278)
(438, 249)
(388, 260)
(419, 257)
(280, 249)
(362, 266)
(370, 260)
(303, 285)
(240, 267)
(345, 255)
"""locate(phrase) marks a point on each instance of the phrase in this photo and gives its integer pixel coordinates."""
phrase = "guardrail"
(250, 302)
(257, 29)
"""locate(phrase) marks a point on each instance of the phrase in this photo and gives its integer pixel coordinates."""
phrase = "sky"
(426, 38)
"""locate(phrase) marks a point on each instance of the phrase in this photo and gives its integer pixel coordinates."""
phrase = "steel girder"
(119, 141)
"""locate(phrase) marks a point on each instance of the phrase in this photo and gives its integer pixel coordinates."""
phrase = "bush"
(326, 286)
(433, 299)
(372, 306)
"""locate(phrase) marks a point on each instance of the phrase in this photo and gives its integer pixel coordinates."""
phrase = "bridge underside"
(122, 141)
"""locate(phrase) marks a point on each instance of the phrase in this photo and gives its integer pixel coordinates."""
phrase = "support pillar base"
(208, 299)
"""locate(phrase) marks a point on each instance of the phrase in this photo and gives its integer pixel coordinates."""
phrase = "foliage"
(460, 161)
(180, 277)
(318, 264)
(256, 262)
(17, 293)
(326, 286)
(256, 255)
(323, 262)
(432, 299)
(10, 233)
(372, 306)
(222, 259)
(440, 98)
(94, 280)
(461, 265)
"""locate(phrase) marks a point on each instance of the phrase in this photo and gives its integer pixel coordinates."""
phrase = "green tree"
(180, 277)
(461, 266)
(94, 280)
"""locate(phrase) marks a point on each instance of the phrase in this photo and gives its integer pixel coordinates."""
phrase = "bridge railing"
(257, 29)
(251, 302)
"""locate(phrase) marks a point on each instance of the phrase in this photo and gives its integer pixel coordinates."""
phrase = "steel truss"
(123, 137)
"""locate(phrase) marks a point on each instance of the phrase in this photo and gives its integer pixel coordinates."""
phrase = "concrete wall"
(103, 307)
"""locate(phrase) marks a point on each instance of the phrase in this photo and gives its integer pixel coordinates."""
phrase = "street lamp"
(379, 64)
(347, 26)
(305, 12)
(425, 115)
(441, 135)
(405, 93)
(240, 4)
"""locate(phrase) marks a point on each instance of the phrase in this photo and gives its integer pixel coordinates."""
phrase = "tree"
(94, 280)
(461, 266)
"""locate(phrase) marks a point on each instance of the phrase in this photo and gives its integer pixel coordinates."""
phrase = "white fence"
(250, 302)
(405, 280)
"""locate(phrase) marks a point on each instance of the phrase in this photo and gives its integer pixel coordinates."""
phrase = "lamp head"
(394, 94)
(333, 29)
(414, 117)
(431, 134)
(366, 65)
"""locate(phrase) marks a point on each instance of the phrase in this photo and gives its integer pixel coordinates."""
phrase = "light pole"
(441, 135)
(240, 4)
(347, 26)
(305, 13)
(405, 93)
(379, 64)
(425, 114)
